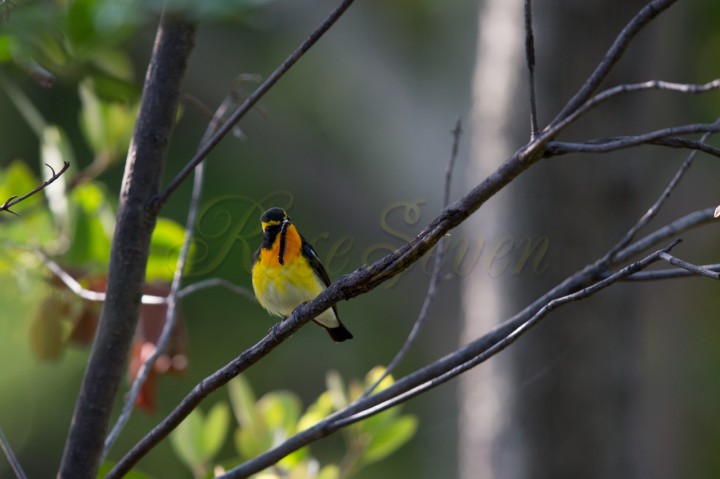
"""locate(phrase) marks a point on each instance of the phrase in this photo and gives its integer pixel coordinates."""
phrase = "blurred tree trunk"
(563, 402)
(135, 223)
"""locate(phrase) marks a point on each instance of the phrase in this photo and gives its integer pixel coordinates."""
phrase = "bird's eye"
(273, 228)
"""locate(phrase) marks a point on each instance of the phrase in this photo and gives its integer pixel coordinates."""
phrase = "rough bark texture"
(130, 249)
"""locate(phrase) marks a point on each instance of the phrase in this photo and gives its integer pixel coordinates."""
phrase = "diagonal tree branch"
(13, 200)
(96, 296)
(604, 145)
(574, 288)
(687, 88)
(346, 287)
(671, 273)
(655, 208)
(434, 277)
(368, 277)
(686, 223)
(10, 455)
(613, 55)
(214, 283)
(250, 101)
(698, 270)
(130, 249)
(674, 142)
(438, 372)
(578, 286)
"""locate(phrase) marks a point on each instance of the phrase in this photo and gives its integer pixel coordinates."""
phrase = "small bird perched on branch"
(286, 272)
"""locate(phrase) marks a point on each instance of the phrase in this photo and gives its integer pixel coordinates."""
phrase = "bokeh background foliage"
(71, 76)
(354, 142)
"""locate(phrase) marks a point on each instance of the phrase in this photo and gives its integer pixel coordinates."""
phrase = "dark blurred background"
(355, 142)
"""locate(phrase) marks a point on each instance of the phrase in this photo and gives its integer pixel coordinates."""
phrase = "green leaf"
(79, 22)
(242, 401)
(316, 412)
(252, 441)
(280, 410)
(224, 466)
(378, 421)
(165, 247)
(254, 436)
(107, 124)
(115, 63)
(35, 224)
(331, 471)
(16, 180)
(5, 50)
(92, 228)
(216, 428)
(336, 388)
(376, 373)
(51, 50)
(387, 440)
(187, 440)
(91, 117)
(107, 466)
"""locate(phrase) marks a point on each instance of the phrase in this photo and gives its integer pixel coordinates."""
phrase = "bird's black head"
(273, 217)
(275, 223)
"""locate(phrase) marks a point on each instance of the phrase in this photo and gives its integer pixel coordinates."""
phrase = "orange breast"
(293, 245)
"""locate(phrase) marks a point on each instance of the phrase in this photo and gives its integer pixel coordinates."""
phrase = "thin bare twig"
(13, 200)
(437, 266)
(250, 101)
(515, 334)
(672, 273)
(530, 60)
(82, 292)
(604, 145)
(673, 142)
(699, 270)
(680, 225)
(97, 296)
(613, 55)
(216, 282)
(653, 210)
(10, 455)
(689, 88)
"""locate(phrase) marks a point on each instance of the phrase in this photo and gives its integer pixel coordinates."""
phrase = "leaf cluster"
(262, 423)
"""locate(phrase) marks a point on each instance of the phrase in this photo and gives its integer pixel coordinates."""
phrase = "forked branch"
(13, 200)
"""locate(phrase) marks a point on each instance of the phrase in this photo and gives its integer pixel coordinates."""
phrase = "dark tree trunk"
(130, 250)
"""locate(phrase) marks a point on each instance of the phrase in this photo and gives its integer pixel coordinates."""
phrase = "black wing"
(339, 333)
(314, 261)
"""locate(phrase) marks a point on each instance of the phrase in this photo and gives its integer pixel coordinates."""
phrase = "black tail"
(339, 333)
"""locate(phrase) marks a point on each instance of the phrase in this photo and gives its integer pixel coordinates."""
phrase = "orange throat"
(293, 247)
